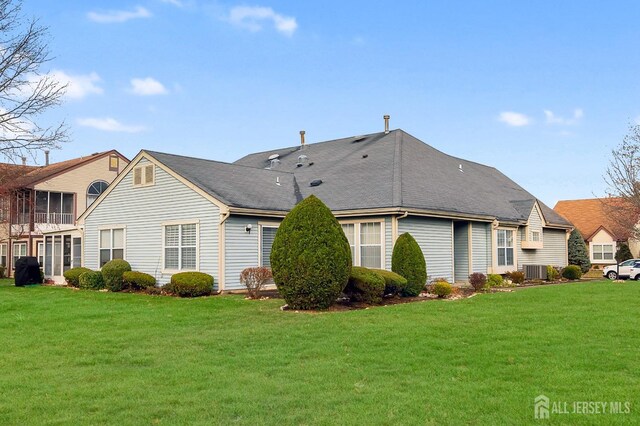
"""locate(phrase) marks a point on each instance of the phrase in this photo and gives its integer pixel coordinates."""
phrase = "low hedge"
(572, 272)
(73, 275)
(552, 273)
(112, 273)
(495, 280)
(516, 277)
(91, 280)
(393, 283)
(365, 285)
(138, 280)
(190, 284)
(441, 288)
(478, 281)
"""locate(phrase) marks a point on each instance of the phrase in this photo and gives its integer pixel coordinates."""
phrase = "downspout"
(221, 250)
(394, 226)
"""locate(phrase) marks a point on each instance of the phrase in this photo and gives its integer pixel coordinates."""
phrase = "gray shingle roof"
(373, 171)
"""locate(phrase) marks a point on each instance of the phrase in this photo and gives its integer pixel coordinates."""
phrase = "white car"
(625, 271)
(634, 272)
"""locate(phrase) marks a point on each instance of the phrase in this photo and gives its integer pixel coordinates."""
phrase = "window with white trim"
(505, 247)
(365, 240)
(3, 255)
(19, 250)
(41, 253)
(143, 175)
(535, 236)
(602, 251)
(94, 191)
(111, 244)
(267, 235)
(181, 247)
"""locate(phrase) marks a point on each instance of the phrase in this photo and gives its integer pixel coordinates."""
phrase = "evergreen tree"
(623, 253)
(578, 253)
(408, 261)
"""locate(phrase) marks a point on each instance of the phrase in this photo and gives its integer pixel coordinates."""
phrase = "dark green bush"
(552, 273)
(623, 253)
(310, 256)
(365, 285)
(73, 275)
(495, 280)
(3, 270)
(516, 277)
(578, 253)
(393, 283)
(441, 288)
(408, 261)
(91, 280)
(112, 273)
(572, 272)
(478, 280)
(138, 280)
(190, 284)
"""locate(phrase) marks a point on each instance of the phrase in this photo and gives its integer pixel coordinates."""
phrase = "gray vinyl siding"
(142, 211)
(535, 221)
(434, 236)
(388, 248)
(554, 251)
(461, 251)
(481, 246)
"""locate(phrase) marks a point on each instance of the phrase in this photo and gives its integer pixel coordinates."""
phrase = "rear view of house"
(167, 213)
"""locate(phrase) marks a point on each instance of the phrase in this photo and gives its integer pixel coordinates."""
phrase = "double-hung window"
(181, 247)
(111, 244)
(19, 250)
(267, 235)
(365, 240)
(3, 255)
(602, 251)
(505, 247)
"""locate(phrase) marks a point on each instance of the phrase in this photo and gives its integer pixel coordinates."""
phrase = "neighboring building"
(601, 232)
(43, 203)
(168, 213)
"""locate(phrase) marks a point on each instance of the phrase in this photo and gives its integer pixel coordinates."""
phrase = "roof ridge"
(396, 190)
(215, 161)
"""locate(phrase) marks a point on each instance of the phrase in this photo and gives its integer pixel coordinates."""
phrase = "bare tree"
(622, 177)
(25, 90)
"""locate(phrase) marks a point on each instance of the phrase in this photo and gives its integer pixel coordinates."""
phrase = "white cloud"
(253, 19)
(514, 119)
(176, 3)
(108, 124)
(555, 119)
(147, 87)
(78, 85)
(118, 16)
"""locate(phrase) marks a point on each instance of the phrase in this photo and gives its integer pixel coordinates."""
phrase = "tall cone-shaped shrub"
(578, 253)
(408, 261)
(310, 256)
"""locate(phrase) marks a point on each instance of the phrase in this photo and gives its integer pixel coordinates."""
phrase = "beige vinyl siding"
(461, 251)
(553, 253)
(434, 236)
(142, 211)
(481, 246)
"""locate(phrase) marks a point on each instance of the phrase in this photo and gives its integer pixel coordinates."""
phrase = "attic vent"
(359, 138)
(302, 159)
(365, 155)
(460, 168)
(316, 182)
(274, 157)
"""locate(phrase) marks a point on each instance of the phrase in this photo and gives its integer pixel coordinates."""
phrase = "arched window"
(94, 191)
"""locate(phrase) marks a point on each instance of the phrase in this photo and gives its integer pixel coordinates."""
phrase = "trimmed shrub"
(190, 284)
(552, 273)
(578, 253)
(441, 288)
(310, 256)
(91, 280)
(112, 273)
(365, 285)
(572, 272)
(393, 283)
(516, 277)
(3, 270)
(477, 280)
(408, 261)
(138, 280)
(623, 253)
(73, 275)
(254, 279)
(495, 280)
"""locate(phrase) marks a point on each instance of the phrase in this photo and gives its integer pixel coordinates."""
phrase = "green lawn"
(81, 357)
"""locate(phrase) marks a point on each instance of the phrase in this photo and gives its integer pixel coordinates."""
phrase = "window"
(111, 245)
(365, 240)
(602, 251)
(267, 235)
(41, 254)
(54, 207)
(181, 247)
(535, 236)
(94, 191)
(114, 162)
(3, 255)
(19, 250)
(143, 175)
(505, 247)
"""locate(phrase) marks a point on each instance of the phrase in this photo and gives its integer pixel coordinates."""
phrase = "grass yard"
(81, 357)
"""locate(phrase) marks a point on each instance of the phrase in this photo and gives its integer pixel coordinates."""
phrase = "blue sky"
(541, 90)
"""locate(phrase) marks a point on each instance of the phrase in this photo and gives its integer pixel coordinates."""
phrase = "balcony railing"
(54, 218)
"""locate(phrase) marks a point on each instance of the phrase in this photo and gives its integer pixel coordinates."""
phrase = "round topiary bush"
(572, 272)
(73, 275)
(310, 256)
(138, 280)
(365, 285)
(408, 261)
(112, 273)
(441, 288)
(91, 280)
(394, 283)
(190, 284)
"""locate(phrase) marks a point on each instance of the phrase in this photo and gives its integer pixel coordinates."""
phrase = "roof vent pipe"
(302, 132)
(386, 124)
(46, 157)
(24, 160)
